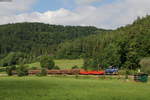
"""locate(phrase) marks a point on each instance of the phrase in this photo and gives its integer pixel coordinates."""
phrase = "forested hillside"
(30, 40)
(124, 47)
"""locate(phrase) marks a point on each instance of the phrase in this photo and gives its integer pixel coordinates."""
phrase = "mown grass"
(52, 88)
(63, 64)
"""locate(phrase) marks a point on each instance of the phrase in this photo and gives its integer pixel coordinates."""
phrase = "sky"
(108, 14)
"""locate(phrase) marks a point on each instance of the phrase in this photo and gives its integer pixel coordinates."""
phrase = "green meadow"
(63, 63)
(54, 88)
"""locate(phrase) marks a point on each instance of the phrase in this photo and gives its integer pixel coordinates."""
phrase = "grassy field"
(51, 88)
(63, 64)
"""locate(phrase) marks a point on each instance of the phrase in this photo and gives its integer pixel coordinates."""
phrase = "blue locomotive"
(111, 71)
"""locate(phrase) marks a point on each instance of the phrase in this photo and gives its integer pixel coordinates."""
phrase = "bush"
(43, 72)
(47, 62)
(145, 65)
(75, 67)
(129, 72)
(22, 70)
(9, 70)
(56, 67)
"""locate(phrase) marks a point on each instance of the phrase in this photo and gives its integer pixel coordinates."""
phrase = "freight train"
(111, 71)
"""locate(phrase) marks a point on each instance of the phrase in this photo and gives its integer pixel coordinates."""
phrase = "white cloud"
(16, 6)
(107, 16)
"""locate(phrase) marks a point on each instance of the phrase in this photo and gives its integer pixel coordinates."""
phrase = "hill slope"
(38, 39)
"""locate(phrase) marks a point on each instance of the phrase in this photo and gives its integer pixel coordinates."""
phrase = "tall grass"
(50, 88)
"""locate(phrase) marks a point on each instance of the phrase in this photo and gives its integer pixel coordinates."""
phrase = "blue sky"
(46, 5)
(109, 14)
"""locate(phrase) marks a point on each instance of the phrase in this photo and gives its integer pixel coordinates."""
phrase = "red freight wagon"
(92, 72)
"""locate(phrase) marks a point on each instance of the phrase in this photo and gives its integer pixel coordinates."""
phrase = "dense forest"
(124, 47)
(27, 41)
